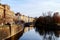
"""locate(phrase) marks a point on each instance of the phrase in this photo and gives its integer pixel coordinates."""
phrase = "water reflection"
(49, 35)
(37, 34)
(30, 35)
(26, 29)
(16, 37)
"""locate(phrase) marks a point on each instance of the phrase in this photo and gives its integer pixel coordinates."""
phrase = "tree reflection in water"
(48, 35)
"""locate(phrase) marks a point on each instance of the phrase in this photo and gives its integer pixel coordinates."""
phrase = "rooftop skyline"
(33, 8)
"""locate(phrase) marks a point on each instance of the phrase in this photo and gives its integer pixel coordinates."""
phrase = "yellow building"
(31, 19)
(1, 11)
(6, 14)
(24, 18)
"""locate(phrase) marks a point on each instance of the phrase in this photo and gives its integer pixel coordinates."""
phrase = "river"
(31, 33)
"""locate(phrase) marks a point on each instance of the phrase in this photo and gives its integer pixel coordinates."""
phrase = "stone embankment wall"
(6, 32)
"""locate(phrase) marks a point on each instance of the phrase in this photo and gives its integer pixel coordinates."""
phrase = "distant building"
(17, 16)
(24, 18)
(31, 19)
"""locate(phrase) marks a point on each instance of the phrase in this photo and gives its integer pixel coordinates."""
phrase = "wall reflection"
(16, 37)
(26, 29)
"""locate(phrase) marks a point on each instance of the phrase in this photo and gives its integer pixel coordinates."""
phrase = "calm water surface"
(32, 34)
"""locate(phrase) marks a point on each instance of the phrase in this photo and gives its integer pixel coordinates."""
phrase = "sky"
(33, 8)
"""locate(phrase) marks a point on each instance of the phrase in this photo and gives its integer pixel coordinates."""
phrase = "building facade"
(6, 14)
(24, 18)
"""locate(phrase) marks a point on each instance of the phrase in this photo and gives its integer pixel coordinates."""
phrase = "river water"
(34, 34)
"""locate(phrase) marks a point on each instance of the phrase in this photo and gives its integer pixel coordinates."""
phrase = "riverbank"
(7, 31)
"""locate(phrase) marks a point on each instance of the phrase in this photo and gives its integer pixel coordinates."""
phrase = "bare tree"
(49, 13)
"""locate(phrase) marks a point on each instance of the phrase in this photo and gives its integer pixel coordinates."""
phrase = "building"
(24, 18)
(6, 14)
(31, 19)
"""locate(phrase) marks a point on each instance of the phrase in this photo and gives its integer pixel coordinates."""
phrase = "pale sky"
(33, 8)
